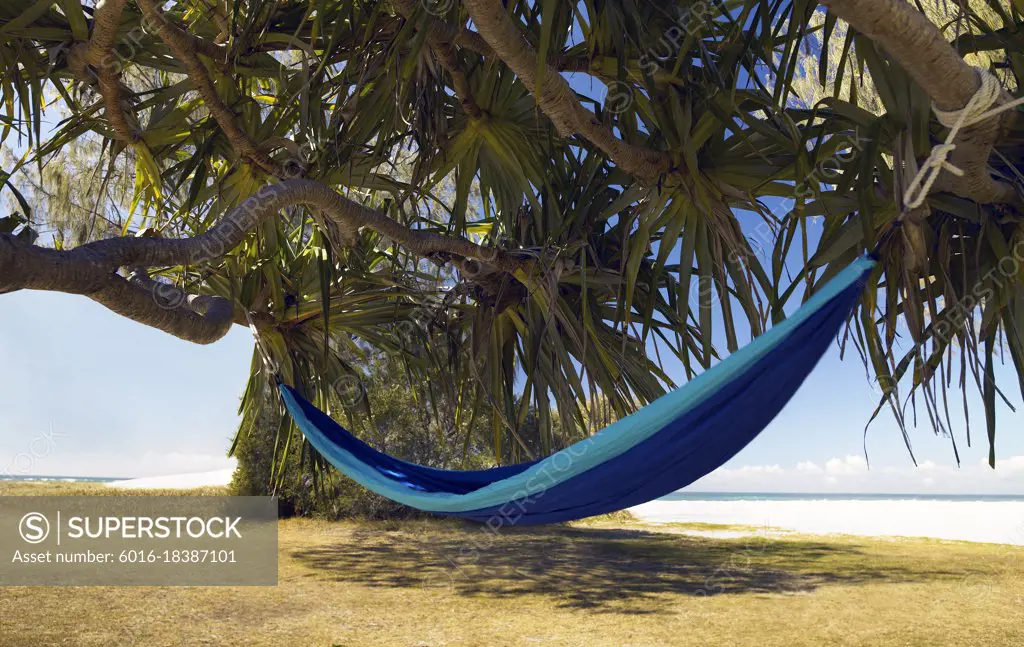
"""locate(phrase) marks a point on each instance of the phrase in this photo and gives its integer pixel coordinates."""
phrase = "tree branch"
(183, 48)
(913, 41)
(198, 319)
(92, 60)
(554, 96)
(220, 18)
(472, 41)
(91, 269)
(343, 218)
(460, 36)
(446, 56)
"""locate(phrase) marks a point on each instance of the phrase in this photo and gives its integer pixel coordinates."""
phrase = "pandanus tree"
(548, 203)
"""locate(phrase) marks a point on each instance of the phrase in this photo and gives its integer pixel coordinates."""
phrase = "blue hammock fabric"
(661, 448)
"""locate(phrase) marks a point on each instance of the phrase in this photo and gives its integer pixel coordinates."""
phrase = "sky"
(84, 392)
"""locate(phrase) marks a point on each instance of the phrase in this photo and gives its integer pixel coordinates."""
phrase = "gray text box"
(138, 541)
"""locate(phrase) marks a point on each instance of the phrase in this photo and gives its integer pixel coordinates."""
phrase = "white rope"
(268, 362)
(978, 109)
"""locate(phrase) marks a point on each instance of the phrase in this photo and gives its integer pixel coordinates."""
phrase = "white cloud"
(1012, 464)
(745, 477)
(845, 466)
(851, 474)
(761, 469)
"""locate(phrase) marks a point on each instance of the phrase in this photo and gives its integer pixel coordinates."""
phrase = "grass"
(700, 526)
(607, 582)
(62, 488)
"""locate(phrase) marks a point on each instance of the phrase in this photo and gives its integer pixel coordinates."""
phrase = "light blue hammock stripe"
(593, 451)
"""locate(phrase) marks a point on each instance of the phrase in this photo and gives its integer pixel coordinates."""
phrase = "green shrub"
(299, 492)
(415, 422)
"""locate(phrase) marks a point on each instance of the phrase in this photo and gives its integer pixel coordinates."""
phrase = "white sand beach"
(1000, 522)
(177, 481)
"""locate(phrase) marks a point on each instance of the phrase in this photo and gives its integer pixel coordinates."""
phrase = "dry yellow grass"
(604, 583)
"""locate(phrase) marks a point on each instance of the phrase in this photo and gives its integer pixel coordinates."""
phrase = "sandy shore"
(999, 522)
(176, 481)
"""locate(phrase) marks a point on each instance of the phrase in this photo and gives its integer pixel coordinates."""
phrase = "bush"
(415, 422)
(332, 496)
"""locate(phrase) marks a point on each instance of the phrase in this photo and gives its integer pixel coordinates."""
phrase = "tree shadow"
(601, 569)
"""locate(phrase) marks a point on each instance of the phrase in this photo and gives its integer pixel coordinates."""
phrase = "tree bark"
(92, 269)
(913, 41)
(181, 45)
(198, 319)
(554, 96)
(343, 217)
(444, 51)
(94, 59)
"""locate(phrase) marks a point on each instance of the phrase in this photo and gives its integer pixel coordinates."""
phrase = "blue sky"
(85, 392)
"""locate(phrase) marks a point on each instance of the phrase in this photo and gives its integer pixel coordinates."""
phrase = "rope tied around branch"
(977, 110)
(268, 361)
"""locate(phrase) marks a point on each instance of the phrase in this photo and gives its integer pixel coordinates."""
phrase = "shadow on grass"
(622, 570)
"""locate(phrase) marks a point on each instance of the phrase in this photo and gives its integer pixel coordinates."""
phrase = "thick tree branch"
(449, 60)
(343, 218)
(198, 319)
(93, 59)
(554, 96)
(913, 41)
(443, 32)
(468, 39)
(92, 269)
(445, 53)
(220, 18)
(182, 47)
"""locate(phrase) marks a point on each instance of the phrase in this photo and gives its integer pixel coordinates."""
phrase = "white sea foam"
(983, 521)
(177, 481)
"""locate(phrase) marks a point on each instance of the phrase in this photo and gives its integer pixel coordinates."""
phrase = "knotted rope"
(268, 361)
(978, 109)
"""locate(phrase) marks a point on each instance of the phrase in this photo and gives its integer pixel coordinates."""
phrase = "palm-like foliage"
(632, 276)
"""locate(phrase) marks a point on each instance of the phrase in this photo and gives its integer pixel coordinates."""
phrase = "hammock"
(661, 448)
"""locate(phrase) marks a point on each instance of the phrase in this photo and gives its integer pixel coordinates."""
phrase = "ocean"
(67, 479)
(832, 496)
